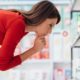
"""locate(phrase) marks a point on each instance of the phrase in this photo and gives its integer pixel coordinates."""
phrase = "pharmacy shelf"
(35, 65)
(32, 2)
(42, 61)
(35, 61)
(62, 61)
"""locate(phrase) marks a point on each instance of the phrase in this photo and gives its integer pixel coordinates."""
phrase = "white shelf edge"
(38, 61)
(44, 61)
(61, 61)
(31, 2)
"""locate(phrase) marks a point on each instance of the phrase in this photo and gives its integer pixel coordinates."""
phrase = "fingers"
(43, 40)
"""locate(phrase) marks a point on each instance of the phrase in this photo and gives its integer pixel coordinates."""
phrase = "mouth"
(45, 34)
(41, 35)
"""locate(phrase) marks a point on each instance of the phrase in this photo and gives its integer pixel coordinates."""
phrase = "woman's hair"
(39, 13)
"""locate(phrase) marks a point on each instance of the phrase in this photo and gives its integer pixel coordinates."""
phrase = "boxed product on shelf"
(62, 71)
(30, 75)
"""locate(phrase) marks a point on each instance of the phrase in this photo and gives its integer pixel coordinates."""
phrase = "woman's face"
(46, 27)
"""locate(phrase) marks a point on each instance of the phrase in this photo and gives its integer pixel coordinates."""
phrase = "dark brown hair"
(39, 13)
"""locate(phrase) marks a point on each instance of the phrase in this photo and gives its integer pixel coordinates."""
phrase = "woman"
(14, 24)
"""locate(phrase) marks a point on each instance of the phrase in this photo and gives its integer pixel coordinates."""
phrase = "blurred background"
(59, 60)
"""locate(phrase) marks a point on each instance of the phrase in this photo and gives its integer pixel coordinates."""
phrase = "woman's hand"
(39, 43)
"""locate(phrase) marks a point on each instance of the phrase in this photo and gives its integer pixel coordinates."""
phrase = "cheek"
(46, 30)
(43, 29)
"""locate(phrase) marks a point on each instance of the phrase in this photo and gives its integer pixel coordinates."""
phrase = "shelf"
(61, 61)
(35, 64)
(37, 61)
(24, 3)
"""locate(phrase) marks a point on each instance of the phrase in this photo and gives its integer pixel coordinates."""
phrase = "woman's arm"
(11, 39)
(39, 43)
(25, 55)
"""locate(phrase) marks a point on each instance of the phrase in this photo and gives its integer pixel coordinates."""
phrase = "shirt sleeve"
(11, 39)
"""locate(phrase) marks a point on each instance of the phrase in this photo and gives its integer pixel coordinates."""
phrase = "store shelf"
(32, 2)
(35, 65)
(61, 61)
(35, 61)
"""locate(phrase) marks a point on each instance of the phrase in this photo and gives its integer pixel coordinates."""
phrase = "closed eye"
(51, 25)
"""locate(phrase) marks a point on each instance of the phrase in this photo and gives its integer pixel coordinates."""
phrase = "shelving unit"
(31, 2)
